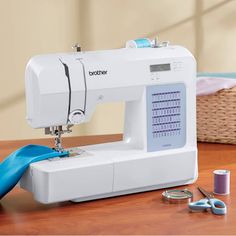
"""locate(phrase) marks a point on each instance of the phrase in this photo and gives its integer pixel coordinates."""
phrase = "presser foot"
(57, 131)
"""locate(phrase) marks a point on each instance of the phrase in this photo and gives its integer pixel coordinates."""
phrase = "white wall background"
(29, 27)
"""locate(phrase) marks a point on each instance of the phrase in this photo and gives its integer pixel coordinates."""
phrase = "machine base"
(108, 170)
(132, 191)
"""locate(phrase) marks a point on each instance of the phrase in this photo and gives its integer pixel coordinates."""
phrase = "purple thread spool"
(221, 182)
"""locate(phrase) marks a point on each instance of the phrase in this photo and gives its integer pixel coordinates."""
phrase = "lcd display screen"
(159, 67)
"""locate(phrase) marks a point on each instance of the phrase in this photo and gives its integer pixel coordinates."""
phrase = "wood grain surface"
(142, 213)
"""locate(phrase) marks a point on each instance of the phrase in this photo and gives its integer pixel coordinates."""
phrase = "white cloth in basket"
(209, 84)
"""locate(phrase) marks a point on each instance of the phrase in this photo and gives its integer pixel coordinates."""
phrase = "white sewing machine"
(159, 145)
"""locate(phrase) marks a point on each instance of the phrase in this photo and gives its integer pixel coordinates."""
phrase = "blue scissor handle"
(218, 207)
(200, 205)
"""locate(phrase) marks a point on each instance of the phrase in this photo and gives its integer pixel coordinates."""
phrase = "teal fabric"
(15, 165)
(143, 43)
(231, 75)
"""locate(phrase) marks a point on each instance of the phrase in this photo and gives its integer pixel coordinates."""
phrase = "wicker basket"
(216, 117)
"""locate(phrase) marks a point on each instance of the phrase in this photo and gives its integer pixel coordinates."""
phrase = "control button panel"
(177, 65)
(155, 75)
(157, 69)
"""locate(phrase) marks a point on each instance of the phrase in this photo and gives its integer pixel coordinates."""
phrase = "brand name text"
(98, 72)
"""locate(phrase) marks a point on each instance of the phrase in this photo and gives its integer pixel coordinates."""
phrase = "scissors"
(217, 206)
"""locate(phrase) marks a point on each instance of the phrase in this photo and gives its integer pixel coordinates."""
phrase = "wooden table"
(143, 213)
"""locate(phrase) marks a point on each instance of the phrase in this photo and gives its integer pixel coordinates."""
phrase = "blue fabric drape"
(14, 166)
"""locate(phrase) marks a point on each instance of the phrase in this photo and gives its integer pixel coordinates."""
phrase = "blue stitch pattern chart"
(166, 116)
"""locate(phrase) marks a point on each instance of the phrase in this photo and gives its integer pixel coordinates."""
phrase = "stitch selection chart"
(166, 116)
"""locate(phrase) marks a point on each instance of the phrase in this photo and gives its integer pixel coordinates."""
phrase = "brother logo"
(98, 72)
